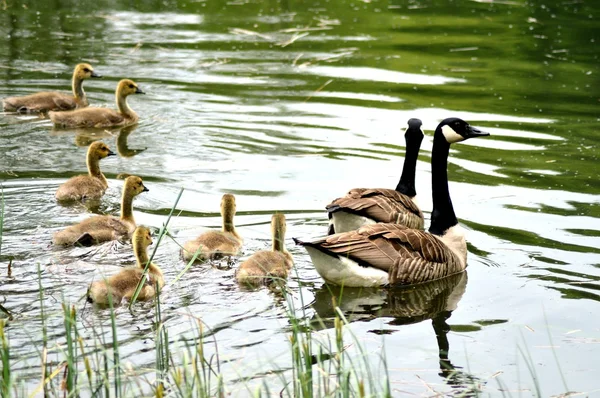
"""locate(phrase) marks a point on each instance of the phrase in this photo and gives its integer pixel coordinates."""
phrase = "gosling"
(267, 266)
(91, 186)
(52, 101)
(102, 117)
(213, 245)
(99, 229)
(122, 285)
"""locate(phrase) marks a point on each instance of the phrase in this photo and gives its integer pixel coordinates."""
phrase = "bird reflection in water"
(405, 305)
(84, 137)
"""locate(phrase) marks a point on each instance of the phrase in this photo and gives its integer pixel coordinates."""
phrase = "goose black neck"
(442, 216)
(406, 185)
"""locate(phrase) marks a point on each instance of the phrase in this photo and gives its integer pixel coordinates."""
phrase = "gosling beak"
(111, 153)
(94, 74)
(139, 91)
(473, 132)
(145, 189)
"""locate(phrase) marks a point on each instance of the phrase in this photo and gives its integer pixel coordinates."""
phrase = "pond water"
(287, 105)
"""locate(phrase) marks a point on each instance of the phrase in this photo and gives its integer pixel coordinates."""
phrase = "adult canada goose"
(216, 244)
(265, 265)
(363, 206)
(52, 101)
(98, 229)
(102, 117)
(382, 254)
(90, 186)
(122, 285)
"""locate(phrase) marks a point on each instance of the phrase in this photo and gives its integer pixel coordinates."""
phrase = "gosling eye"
(131, 86)
(86, 70)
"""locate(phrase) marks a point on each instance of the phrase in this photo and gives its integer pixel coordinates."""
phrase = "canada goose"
(382, 254)
(215, 244)
(53, 101)
(102, 117)
(363, 206)
(265, 265)
(91, 186)
(122, 285)
(98, 229)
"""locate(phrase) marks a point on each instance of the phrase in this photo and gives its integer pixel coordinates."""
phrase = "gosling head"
(278, 225)
(278, 232)
(134, 186)
(127, 87)
(100, 150)
(456, 130)
(85, 71)
(141, 237)
(228, 204)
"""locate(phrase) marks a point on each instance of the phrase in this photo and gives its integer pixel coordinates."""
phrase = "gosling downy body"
(52, 101)
(364, 206)
(216, 244)
(98, 229)
(102, 117)
(90, 186)
(268, 265)
(382, 254)
(122, 285)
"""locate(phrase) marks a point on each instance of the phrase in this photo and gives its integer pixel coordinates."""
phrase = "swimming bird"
(216, 244)
(382, 254)
(266, 265)
(52, 101)
(90, 186)
(363, 206)
(122, 285)
(102, 117)
(98, 229)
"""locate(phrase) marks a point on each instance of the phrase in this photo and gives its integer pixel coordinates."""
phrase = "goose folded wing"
(408, 255)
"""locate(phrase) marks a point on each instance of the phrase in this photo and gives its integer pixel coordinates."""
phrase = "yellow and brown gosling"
(52, 101)
(98, 229)
(216, 244)
(90, 186)
(102, 117)
(267, 266)
(122, 285)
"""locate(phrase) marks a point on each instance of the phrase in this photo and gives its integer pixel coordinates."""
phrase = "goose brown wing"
(381, 205)
(409, 256)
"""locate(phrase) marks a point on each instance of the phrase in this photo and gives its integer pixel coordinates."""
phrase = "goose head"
(134, 186)
(127, 87)
(414, 132)
(456, 130)
(100, 150)
(142, 237)
(85, 71)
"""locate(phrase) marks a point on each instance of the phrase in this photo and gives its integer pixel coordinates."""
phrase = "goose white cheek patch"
(451, 135)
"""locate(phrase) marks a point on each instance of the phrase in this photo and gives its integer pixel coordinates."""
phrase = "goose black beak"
(94, 74)
(145, 189)
(111, 153)
(473, 132)
(139, 91)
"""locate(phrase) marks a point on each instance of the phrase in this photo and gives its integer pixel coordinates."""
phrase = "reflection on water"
(433, 301)
(287, 106)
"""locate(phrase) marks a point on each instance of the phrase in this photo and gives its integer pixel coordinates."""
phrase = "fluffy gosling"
(52, 101)
(98, 229)
(122, 285)
(216, 244)
(90, 186)
(266, 266)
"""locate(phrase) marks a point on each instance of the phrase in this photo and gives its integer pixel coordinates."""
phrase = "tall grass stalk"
(6, 380)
